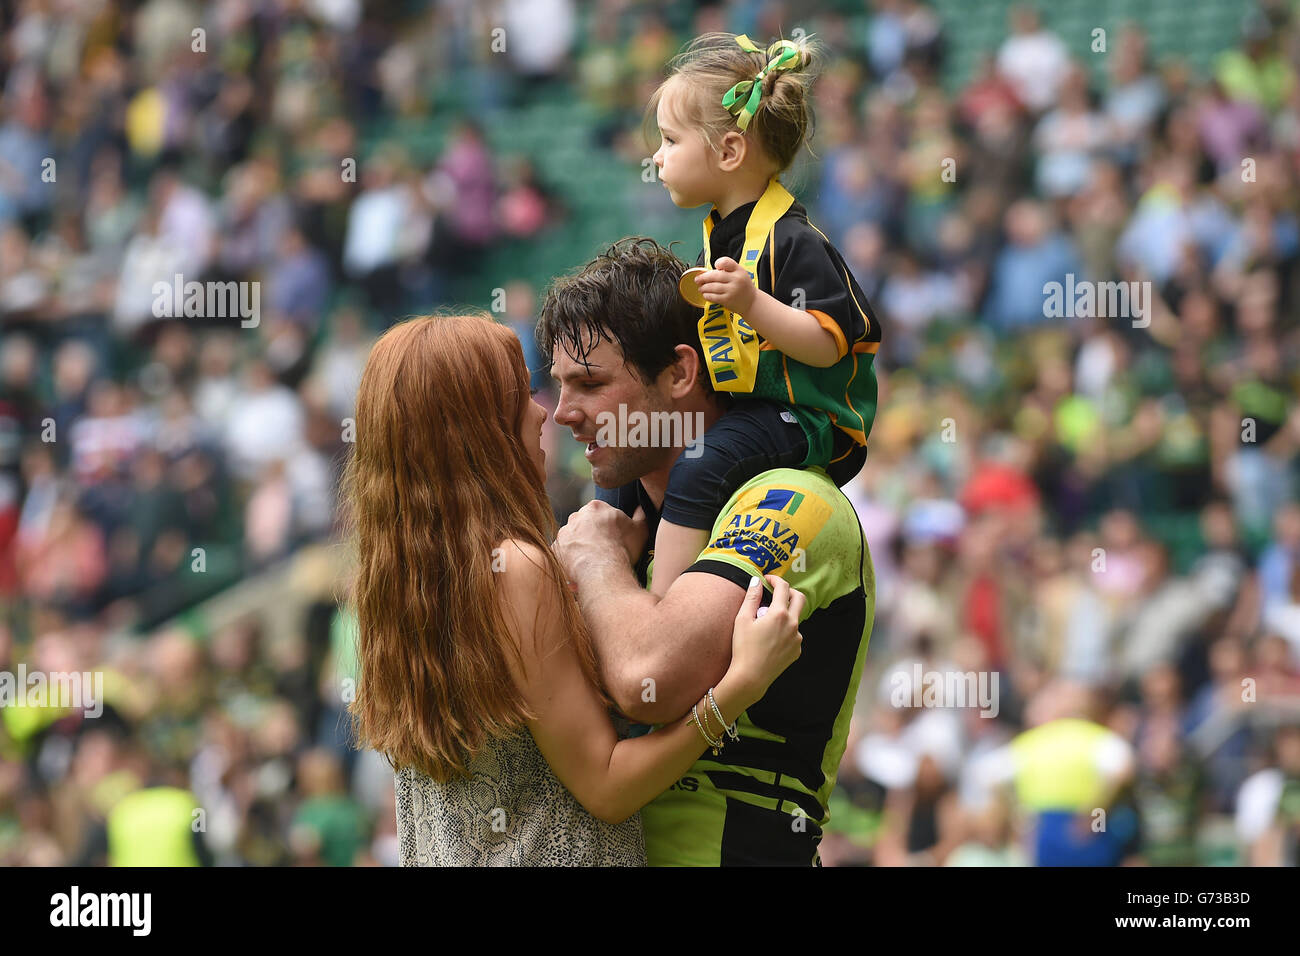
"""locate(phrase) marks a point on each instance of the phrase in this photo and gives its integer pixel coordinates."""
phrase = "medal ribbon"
(730, 344)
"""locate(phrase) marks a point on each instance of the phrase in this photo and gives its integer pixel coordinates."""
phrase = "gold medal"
(689, 290)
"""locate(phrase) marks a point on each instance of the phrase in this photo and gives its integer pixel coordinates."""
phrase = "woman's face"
(530, 432)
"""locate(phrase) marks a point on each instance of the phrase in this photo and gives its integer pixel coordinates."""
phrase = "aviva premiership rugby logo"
(782, 499)
(767, 525)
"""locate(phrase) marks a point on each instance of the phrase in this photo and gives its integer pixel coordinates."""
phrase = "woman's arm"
(613, 779)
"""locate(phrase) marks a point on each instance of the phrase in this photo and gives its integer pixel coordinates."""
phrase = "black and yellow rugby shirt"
(799, 267)
(764, 799)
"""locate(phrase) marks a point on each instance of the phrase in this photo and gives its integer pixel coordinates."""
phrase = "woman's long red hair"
(438, 478)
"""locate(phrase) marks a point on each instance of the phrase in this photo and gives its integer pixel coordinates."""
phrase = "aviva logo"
(783, 500)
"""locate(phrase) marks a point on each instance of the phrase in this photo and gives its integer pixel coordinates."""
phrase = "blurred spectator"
(329, 827)
(463, 188)
(1033, 59)
(1035, 255)
(990, 840)
(538, 35)
(1068, 138)
(914, 298)
(266, 421)
(299, 282)
(1067, 771)
(24, 147)
(1268, 821)
(521, 316)
(526, 208)
(1259, 72)
(385, 228)
(1134, 99)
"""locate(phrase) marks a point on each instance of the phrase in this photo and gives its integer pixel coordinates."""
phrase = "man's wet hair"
(626, 295)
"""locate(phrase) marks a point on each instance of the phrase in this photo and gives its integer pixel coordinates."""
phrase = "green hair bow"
(742, 99)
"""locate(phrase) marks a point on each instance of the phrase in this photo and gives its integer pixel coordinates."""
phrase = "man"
(1064, 769)
(624, 348)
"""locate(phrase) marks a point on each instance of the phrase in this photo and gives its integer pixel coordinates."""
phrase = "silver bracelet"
(731, 731)
(695, 716)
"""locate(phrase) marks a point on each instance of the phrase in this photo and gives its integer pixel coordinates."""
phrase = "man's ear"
(732, 151)
(683, 373)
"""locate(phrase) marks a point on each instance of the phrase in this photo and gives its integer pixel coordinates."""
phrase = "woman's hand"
(765, 640)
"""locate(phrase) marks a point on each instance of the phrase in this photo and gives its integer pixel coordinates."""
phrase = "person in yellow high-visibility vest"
(154, 826)
(1066, 772)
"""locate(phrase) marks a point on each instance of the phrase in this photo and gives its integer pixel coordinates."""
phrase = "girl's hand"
(728, 285)
(765, 641)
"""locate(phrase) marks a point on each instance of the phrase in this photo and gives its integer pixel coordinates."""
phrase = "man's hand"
(728, 285)
(597, 533)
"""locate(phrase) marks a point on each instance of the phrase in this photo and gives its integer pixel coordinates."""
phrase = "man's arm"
(653, 653)
(657, 657)
(657, 653)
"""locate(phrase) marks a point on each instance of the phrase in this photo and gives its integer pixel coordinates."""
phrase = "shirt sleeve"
(778, 528)
(810, 275)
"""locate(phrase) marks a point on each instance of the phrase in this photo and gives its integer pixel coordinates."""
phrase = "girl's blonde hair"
(711, 65)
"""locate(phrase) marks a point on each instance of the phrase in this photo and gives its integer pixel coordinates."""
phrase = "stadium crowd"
(1098, 513)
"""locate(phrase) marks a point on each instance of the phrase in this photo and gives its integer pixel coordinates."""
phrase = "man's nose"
(565, 413)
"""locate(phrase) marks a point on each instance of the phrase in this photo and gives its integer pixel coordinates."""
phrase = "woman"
(476, 676)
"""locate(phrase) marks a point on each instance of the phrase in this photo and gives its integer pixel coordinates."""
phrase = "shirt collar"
(728, 236)
(729, 229)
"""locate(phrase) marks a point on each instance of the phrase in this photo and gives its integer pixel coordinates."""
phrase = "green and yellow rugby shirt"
(799, 267)
(764, 799)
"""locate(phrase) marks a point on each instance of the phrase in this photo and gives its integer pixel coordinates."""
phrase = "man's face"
(590, 396)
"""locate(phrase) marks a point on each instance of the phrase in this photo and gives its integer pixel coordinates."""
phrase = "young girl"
(784, 322)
